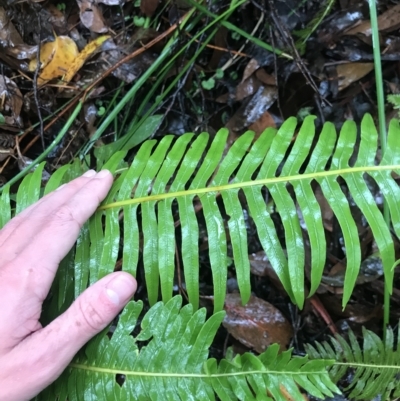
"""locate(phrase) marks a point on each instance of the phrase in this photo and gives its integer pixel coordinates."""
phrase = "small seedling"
(139, 21)
(208, 84)
(219, 74)
(101, 111)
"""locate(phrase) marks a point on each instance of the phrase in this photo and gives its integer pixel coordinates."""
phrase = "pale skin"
(31, 248)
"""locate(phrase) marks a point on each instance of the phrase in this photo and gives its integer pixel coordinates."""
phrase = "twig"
(320, 309)
(239, 53)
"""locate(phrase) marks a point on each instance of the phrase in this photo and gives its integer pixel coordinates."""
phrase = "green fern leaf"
(167, 360)
(158, 195)
(375, 366)
(185, 172)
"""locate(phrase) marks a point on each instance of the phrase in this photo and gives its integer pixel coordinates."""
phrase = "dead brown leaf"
(111, 2)
(220, 40)
(244, 89)
(13, 100)
(265, 78)
(92, 17)
(58, 20)
(287, 394)
(352, 72)
(326, 210)
(9, 36)
(260, 264)
(7, 143)
(250, 68)
(252, 110)
(148, 7)
(11, 41)
(264, 122)
(131, 69)
(388, 21)
(360, 312)
(257, 324)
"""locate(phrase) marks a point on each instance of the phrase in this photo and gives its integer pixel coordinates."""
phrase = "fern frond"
(168, 180)
(167, 360)
(187, 170)
(375, 366)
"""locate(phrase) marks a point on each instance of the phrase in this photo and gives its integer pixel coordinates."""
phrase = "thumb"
(91, 312)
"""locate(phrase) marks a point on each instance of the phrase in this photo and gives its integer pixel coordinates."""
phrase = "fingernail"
(89, 173)
(120, 290)
(61, 186)
(103, 174)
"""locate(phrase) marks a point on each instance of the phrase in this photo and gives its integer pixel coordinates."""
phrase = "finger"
(22, 229)
(39, 210)
(61, 230)
(47, 352)
(93, 310)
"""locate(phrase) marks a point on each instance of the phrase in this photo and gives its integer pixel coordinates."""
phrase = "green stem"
(382, 127)
(378, 74)
(135, 126)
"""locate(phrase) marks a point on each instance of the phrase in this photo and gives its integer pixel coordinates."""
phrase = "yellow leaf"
(47, 51)
(65, 53)
(56, 57)
(87, 51)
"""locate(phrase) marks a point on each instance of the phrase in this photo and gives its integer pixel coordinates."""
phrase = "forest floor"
(201, 66)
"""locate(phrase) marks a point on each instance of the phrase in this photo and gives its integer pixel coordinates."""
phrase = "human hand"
(31, 247)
